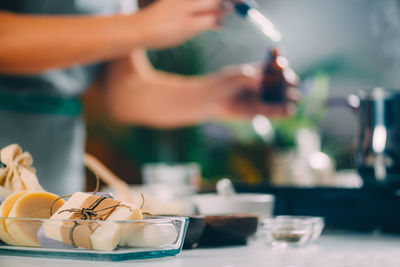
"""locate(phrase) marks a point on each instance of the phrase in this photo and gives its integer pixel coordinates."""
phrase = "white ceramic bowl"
(213, 204)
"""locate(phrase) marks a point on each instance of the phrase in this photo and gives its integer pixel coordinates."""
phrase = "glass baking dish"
(93, 239)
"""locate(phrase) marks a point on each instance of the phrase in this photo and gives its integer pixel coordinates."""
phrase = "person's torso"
(42, 112)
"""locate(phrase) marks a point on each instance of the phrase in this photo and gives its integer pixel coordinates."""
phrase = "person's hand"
(138, 94)
(234, 92)
(166, 23)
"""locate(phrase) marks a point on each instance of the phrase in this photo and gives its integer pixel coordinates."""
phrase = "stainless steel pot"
(377, 156)
(378, 150)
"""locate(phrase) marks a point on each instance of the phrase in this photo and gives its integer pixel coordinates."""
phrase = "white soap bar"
(110, 234)
(106, 236)
(46, 242)
(52, 228)
(152, 235)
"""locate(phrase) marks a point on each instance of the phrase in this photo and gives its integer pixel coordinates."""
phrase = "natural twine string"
(87, 213)
(90, 213)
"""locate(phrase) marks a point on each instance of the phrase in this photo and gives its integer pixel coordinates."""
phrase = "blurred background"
(336, 47)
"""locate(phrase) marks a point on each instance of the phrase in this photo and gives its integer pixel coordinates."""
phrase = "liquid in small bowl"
(318, 224)
(283, 231)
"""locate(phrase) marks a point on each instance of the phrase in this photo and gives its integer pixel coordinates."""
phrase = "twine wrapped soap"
(87, 221)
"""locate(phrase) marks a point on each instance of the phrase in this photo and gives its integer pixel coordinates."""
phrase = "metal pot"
(378, 150)
(378, 144)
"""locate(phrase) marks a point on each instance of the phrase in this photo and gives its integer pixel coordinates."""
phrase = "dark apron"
(52, 130)
(42, 113)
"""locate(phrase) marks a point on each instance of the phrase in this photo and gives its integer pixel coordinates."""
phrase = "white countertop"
(345, 250)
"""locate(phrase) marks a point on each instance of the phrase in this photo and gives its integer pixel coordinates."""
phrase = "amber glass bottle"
(144, 3)
(273, 83)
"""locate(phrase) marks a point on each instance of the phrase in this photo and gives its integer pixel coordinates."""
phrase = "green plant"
(309, 111)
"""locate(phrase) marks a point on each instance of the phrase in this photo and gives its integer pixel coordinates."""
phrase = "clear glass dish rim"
(301, 217)
(156, 219)
(293, 222)
(293, 219)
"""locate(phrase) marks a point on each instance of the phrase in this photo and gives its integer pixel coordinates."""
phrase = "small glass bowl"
(318, 224)
(285, 231)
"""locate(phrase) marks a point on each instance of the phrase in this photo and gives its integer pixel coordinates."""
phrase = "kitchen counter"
(362, 209)
(344, 249)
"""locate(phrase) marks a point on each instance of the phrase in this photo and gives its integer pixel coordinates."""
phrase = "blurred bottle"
(274, 83)
(144, 3)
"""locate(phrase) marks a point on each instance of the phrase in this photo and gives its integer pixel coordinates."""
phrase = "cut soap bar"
(52, 228)
(152, 235)
(30, 205)
(46, 242)
(5, 209)
(110, 234)
(101, 235)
